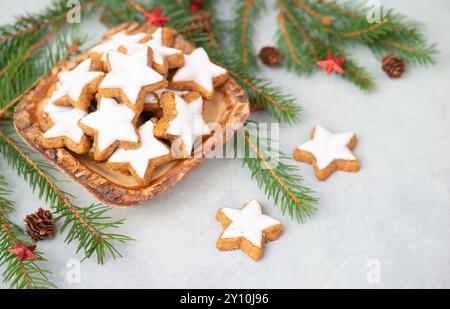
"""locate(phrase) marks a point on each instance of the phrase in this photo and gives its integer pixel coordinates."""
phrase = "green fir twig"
(309, 30)
(246, 14)
(275, 174)
(88, 226)
(26, 274)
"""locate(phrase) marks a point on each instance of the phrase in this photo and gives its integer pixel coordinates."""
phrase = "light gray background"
(395, 211)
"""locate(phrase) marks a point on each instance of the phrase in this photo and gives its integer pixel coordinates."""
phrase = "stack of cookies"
(134, 103)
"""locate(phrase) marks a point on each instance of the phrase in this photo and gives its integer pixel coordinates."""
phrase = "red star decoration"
(23, 252)
(332, 64)
(156, 17)
(196, 5)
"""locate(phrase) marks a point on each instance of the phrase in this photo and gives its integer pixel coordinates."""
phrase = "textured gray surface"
(393, 214)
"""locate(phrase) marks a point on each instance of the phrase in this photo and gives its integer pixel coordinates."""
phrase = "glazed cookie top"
(72, 83)
(139, 159)
(65, 122)
(327, 147)
(113, 122)
(158, 36)
(248, 222)
(151, 97)
(130, 73)
(200, 69)
(189, 123)
(159, 51)
(116, 41)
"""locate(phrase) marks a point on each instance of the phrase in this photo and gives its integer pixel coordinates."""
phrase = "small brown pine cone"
(270, 56)
(40, 225)
(393, 66)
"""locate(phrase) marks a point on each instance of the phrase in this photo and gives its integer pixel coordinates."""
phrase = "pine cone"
(393, 66)
(40, 225)
(270, 56)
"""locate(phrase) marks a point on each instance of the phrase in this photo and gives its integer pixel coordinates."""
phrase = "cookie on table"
(78, 86)
(113, 42)
(247, 229)
(182, 121)
(64, 130)
(141, 162)
(164, 57)
(130, 78)
(199, 74)
(112, 125)
(328, 152)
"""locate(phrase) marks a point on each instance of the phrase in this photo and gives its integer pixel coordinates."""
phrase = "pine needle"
(279, 179)
(88, 225)
(25, 274)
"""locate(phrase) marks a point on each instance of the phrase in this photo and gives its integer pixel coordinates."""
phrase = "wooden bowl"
(229, 107)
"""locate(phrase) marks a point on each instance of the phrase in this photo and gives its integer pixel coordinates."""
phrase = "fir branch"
(280, 180)
(24, 72)
(297, 25)
(260, 90)
(311, 11)
(364, 31)
(19, 274)
(288, 40)
(247, 13)
(358, 75)
(87, 226)
(336, 26)
(8, 106)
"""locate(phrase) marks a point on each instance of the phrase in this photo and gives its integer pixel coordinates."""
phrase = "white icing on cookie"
(327, 147)
(189, 123)
(139, 159)
(159, 51)
(72, 83)
(157, 36)
(116, 41)
(248, 222)
(200, 69)
(130, 73)
(153, 97)
(65, 122)
(113, 122)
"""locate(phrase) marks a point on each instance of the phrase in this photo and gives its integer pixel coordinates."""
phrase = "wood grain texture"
(26, 121)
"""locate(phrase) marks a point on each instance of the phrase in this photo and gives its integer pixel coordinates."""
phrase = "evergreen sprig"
(90, 226)
(274, 173)
(246, 15)
(260, 90)
(309, 30)
(25, 274)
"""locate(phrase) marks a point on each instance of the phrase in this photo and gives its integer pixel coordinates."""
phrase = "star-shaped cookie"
(141, 162)
(115, 41)
(247, 229)
(199, 74)
(182, 121)
(78, 86)
(328, 152)
(164, 58)
(64, 130)
(112, 125)
(131, 78)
